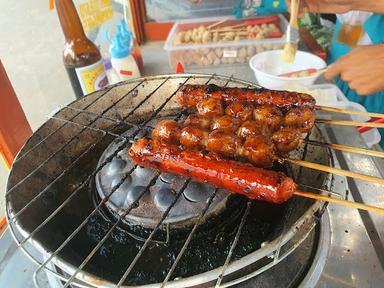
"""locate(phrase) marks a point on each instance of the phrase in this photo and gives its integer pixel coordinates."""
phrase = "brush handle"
(294, 13)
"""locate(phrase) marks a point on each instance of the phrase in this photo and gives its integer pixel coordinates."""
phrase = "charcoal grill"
(74, 195)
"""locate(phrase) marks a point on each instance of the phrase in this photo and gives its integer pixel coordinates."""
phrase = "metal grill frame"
(83, 279)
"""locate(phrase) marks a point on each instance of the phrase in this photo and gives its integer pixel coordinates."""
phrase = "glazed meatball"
(226, 123)
(302, 118)
(198, 121)
(258, 150)
(240, 111)
(286, 139)
(193, 137)
(269, 116)
(166, 131)
(210, 107)
(223, 143)
(249, 128)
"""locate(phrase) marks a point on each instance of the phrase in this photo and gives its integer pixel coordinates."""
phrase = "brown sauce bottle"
(82, 59)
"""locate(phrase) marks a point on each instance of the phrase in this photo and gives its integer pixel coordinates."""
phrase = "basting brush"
(292, 40)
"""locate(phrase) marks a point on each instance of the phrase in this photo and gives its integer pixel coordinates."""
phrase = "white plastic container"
(218, 53)
(269, 64)
(121, 59)
(125, 67)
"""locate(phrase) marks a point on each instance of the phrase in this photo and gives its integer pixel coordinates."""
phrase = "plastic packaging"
(228, 52)
(351, 31)
(121, 59)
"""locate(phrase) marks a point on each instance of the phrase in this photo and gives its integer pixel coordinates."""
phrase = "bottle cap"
(126, 35)
(119, 48)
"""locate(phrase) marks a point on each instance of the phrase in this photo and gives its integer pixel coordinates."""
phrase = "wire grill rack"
(99, 117)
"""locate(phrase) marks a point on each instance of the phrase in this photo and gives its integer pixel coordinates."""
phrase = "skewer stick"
(346, 111)
(345, 148)
(335, 171)
(342, 202)
(217, 23)
(351, 123)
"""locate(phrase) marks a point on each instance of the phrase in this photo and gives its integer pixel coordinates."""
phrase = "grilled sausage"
(189, 95)
(242, 178)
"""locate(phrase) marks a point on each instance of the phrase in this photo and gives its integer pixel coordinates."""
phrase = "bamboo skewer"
(346, 111)
(350, 123)
(335, 171)
(217, 23)
(342, 202)
(345, 148)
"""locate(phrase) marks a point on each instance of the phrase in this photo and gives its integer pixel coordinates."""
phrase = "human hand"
(362, 69)
(339, 6)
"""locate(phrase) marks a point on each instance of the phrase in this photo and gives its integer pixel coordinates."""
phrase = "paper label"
(92, 77)
(93, 13)
(230, 53)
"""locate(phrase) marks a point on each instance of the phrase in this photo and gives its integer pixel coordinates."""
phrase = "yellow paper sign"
(93, 13)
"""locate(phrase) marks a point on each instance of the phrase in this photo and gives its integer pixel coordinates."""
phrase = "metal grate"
(101, 118)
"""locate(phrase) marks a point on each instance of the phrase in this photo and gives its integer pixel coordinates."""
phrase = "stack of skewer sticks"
(344, 148)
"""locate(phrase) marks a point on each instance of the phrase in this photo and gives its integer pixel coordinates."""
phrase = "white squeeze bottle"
(121, 59)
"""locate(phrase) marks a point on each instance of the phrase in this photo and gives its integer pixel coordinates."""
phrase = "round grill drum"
(61, 198)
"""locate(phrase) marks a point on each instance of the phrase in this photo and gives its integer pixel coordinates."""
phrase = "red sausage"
(237, 177)
(189, 95)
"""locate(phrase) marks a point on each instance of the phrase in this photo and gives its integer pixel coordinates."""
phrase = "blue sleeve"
(374, 26)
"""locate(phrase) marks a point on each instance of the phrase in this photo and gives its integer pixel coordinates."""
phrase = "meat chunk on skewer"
(239, 110)
(210, 107)
(226, 123)
(193, 137)
(268, 115)
(224, 143)
(259, 150)
(302, 118)
(167, 131)
(249, 128)
(198, 121)
(286, 139)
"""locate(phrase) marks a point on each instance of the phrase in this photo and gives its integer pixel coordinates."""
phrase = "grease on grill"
(120, 248)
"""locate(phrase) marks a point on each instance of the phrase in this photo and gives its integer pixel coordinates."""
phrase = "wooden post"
(14, 127)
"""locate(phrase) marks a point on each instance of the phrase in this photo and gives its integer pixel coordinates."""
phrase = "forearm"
(375, 6)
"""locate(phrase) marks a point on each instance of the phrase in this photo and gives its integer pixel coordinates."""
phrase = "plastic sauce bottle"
(127, 36)
(82, 59)
(122, 60)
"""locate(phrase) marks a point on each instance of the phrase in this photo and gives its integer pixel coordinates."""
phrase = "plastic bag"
(352, 32)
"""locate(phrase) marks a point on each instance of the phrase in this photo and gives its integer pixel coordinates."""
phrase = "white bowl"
(267, 65)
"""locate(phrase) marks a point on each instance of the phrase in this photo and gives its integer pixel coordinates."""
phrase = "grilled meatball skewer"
(257, 149)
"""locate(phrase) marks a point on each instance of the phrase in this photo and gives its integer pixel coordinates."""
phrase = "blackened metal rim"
(91, 279)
